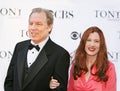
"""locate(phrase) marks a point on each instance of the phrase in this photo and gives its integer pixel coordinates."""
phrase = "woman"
(91, 70)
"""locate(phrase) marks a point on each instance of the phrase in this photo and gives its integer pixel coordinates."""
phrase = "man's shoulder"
(24, 42)
(57, 47)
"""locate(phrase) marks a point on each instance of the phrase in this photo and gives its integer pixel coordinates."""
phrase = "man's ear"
(50, 28)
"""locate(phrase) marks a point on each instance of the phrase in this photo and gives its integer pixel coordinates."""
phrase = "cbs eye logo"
(74, 35)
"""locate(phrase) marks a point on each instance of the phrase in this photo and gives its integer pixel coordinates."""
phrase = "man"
(35, 61)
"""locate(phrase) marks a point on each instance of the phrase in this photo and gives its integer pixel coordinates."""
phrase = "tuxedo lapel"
(22, 57)
(36, 67)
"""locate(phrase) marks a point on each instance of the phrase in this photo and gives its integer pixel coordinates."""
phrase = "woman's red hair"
(101, 61)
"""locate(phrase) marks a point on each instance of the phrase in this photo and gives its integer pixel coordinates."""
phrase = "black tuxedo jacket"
(53, 60)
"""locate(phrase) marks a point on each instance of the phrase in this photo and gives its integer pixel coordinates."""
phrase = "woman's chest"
(90, 85)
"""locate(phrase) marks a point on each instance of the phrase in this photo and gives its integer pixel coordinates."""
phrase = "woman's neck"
(90, 61)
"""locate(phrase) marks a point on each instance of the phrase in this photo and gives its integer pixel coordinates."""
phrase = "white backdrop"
(72, 18)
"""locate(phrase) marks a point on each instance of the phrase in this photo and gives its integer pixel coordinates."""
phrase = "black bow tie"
(34, 46)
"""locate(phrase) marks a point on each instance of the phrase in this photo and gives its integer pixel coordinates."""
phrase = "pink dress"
(91, 85)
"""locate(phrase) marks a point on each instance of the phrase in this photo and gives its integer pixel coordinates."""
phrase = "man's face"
(38, 27)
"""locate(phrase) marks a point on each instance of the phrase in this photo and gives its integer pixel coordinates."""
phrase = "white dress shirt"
(33, 53)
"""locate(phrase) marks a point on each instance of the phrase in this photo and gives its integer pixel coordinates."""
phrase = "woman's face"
(92, 45)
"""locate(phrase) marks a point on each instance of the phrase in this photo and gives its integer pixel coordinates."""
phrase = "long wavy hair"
(101, 61)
